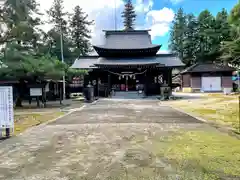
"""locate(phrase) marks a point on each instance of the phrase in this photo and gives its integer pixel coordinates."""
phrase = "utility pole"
(115, 14)
(62, 56)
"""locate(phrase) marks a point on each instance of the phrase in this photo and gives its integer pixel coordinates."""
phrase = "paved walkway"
(99, 142)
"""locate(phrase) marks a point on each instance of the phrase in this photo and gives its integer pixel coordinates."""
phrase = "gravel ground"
(107, 140)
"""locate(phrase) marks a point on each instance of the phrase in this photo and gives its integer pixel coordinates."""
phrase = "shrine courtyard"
(121, 139)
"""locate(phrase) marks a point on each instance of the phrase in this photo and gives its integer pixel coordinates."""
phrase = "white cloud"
(159, 29)
(104, 13)
(143, 5)
(159, 16)
(163, 52)
(159, 21)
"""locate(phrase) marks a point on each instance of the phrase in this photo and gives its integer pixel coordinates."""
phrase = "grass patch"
(24, 121)
(219, 108)
(224, 114)
(221, 95)
(210, 155)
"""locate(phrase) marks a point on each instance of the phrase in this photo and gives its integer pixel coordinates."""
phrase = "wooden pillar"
(109, 84)
(170, 77)
(170, 81)
(145, 83)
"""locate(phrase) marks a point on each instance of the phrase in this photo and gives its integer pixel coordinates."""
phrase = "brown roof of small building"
(177, 79)
(207, 67)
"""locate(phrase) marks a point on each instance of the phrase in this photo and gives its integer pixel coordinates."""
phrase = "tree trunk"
(19, 101)
(20, 89)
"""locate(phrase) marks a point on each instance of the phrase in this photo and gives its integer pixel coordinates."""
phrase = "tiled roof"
(136, 39)
(207, 67)
(89, 62)
(86, 62)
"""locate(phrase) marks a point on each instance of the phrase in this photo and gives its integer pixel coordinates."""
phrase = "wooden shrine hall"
(128, 61)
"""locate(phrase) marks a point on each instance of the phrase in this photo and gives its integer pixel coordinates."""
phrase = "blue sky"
(156, 15)
(190, 6)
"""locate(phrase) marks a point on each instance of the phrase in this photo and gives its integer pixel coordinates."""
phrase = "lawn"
(198, 155)
(25, 121)
(189, 155)
(219, 108)
(203, 154)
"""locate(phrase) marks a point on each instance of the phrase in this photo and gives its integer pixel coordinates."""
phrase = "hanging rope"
(118, 74)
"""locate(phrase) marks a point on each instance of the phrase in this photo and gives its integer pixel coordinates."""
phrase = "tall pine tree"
(207, 37)
(20, 54)
(177, 34)
(80, 33)
(129, 15)
(231, 49)
(58, 17)
(190, 42)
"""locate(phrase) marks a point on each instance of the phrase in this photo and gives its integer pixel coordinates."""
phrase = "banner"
(6, 107)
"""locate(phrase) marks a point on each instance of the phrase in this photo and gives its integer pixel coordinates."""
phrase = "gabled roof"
(207, 67)
(85, 62)
(133, 39)
(89, 62)
(177, 79)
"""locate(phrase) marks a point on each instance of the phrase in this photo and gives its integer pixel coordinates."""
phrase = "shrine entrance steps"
(127, 95)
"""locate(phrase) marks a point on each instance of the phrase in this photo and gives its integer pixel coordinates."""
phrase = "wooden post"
(38, 104)
(1, 135)
(109, 84)
(126, 86)
(60, 96)
(170, 82)
(7, 132)
(145, 83)
(44, 97)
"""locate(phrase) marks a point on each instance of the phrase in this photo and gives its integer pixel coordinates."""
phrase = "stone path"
(102, 141)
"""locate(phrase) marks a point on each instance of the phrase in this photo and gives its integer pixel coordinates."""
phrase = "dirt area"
(136, 139)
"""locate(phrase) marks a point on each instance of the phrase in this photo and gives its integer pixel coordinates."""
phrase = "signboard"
(6, 107)
(35, 91)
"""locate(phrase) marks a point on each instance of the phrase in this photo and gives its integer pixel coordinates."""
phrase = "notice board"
(6, 107)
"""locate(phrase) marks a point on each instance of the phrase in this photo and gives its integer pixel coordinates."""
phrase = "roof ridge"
(189, 68)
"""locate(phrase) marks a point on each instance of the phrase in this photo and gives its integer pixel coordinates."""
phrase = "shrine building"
(128, 61)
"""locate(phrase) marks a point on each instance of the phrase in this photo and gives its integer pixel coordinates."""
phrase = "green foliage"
(20, 63)
(75, 72)
(231, 52)
(199, 39)
(28, 52)
(190, 40)
(57, 16)
(235, 14)
(230, 48)
(76, 34)
(177, 33)
(129, 16)
(31, 55)
(80, 32)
